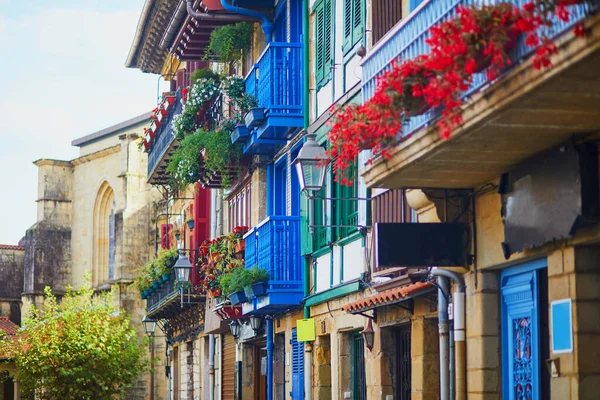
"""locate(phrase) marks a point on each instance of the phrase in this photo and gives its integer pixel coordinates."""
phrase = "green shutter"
(358, 21)
(324, 41)
(348, 7)
(305, 238)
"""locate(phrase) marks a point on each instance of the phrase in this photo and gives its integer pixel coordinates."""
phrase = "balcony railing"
(276, 82)
(163, 140)
(165, 302)
(166, 292)
(275, 246)
(215, 112)
(407, 41)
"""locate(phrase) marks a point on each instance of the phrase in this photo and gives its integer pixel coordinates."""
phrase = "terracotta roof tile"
(387, 296)
(11, 247)
(7, 326)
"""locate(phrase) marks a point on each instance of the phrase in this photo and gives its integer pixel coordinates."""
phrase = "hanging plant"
(185, 163)
(229, 41)
(477, 38)
(198, 97)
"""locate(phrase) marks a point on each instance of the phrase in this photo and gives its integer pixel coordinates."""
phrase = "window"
(346, 211)
(386, 14)
(324, 15)
(104, 232)
(359, 378)
(240, 203)
(354, 23)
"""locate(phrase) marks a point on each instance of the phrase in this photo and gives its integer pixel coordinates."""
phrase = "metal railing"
(215, 112)
(276, 79)
(274, 245)
(164, 137)
(407, 41)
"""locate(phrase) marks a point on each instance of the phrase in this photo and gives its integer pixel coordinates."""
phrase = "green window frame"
(324, 38)
(354, 23)
(346, 211)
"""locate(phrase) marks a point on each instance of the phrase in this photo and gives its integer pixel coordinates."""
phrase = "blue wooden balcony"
(407, 41)
(163, 145)
(274, 244)
(276, 82)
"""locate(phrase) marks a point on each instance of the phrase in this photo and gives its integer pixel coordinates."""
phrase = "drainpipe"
(211, 367)
(459, 330)
(267, 25)
(451, 361)
(443, 289)
(270, 348)
(306, 111)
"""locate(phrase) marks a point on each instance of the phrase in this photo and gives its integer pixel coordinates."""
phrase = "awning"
(389, 297)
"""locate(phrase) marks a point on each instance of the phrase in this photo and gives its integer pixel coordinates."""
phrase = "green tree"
(81, 348)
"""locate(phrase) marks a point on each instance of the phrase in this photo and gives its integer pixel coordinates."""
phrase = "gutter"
(174, 25)
(267, 25)
(139, 33)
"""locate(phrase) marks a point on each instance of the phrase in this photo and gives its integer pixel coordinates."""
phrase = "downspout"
(211, 337)
(201, 16)
(267, 25)
(306, 111)
(459, 330)
(211, 367)
(443, 290)
(270, 348)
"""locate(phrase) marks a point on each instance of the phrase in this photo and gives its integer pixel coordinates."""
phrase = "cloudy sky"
(62, 76)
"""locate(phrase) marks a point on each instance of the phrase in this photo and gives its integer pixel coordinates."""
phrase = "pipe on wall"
(267, 25)
(211, 367)
(443, 289)
(459, 331)
(270, 348)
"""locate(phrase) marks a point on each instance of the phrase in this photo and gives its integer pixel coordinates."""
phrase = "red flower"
(579, 30)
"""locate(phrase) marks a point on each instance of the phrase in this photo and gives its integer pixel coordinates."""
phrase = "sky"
(62, 76)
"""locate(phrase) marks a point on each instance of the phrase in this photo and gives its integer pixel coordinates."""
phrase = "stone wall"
(11, 276)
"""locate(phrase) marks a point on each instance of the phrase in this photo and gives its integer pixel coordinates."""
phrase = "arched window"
(103, 268)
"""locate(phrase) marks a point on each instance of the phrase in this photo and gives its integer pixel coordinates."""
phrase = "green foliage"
(238, 279)
(235, 88)
(184, 165)
(155, 268)
(205, 74)
(259, 275)
(82, 348)
(228, 42)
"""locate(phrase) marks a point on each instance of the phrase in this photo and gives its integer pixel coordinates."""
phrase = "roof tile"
(387, 296)
(11, 247)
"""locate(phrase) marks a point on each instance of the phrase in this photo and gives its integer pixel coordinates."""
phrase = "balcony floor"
(527, 111)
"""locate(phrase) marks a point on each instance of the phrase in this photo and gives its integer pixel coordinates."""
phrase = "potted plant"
(227, 43)
(240, 133)
(240, 277)
(190, 223)
(257, 282)
(254, 117)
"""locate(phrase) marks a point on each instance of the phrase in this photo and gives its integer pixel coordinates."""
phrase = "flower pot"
(483, 61)
(177, 236)
(144, 294)
(155, 285)
(216, 293)
(214, 257)
(155, 125)
(237, 297)
(190, 223)
(213, 5)
(240, 247)
(170, 99)
(259, 288)
(240, 133)
(166, 277)
(255, 117)
(418, 107)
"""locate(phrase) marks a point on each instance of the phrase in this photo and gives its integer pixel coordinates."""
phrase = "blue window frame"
(524, 331)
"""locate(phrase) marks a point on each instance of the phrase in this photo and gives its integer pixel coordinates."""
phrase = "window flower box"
(255, 117)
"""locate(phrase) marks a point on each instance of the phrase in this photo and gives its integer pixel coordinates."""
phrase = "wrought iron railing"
(407, 41)
(164, 293)
(274, 245)
(164, 137)
(215, 112)
(276, 79)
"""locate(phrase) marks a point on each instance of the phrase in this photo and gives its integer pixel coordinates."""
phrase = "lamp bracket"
(371, 317)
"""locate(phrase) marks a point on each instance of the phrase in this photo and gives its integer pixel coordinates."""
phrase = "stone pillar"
(425, 359)
(484, 371)
(574, 273)
(322, 368)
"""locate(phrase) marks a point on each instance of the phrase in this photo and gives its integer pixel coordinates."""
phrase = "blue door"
(297, 367)
(524, 331)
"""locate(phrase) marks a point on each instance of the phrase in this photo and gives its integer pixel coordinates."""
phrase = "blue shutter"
(297, 367)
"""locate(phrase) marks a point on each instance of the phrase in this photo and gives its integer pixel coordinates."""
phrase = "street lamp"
(311, 165)
(234, 326)
(369, 335)
(182, 272)
(256, 323)
(149, 327)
